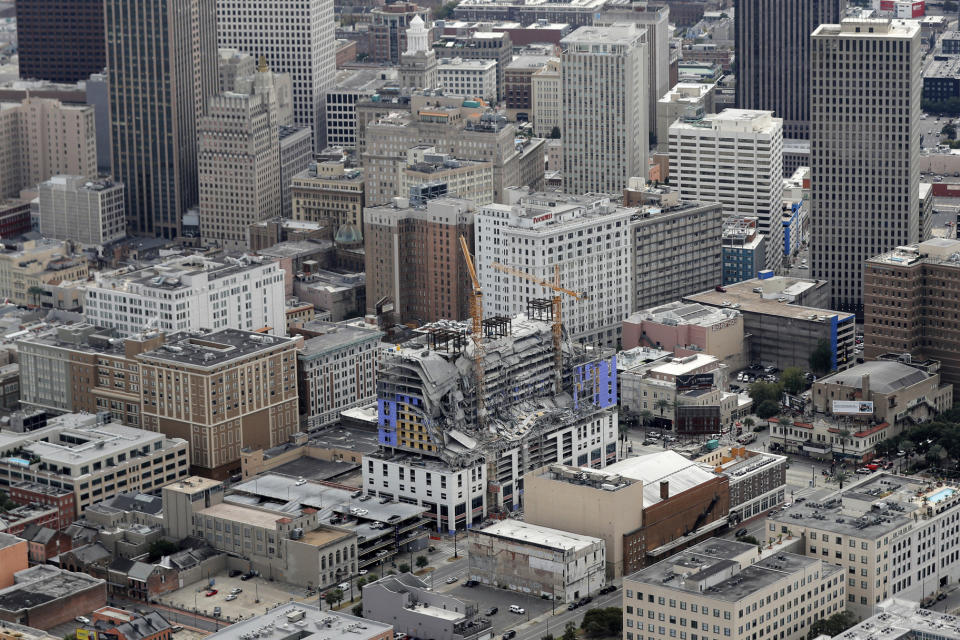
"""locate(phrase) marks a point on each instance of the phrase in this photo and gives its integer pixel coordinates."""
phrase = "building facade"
(293, 37)
(685, 101)
(329, 193)
(162, 56)
(88, 212)
(546, 103)
(604, 88)
(734, 158)
(60, 40)
(906, 291)
(238, 163)
(222, 392)
(476, 79)
(864, 195)
(744, 250)
(773, 61)
(388, 29)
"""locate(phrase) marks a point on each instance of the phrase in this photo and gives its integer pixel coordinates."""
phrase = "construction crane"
(476, 315)
(557, 319)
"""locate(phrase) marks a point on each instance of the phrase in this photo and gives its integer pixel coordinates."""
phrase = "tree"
(404, 567)
(844, 435)
(555, 132)
(661, 405)
(334, 596)
(569, 632)
(749, 539)
(357, 610)
(646, 416)
(767, 409)
(761, 392)
(949, 130)
(821, 360)
(749, 423)
(444, 12)
(793, 381)
(35, 292)
(548, 636)
(936, 455)
(422, 561)
(360, 582)
(603, 623)
(832, 626)
(160, 548)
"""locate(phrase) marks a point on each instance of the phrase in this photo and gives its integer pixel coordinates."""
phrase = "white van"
(516, 609)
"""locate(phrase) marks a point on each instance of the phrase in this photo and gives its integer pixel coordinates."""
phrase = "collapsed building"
(461, 449)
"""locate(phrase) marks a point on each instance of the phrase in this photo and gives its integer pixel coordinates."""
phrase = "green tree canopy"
(603, 623)
(832, 626)
(793, 381)
(761, 391)
(821, 360)
(767, 409)
(422, 561)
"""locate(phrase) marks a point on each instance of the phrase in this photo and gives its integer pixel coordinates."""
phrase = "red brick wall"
(61, 610)
(677, 516)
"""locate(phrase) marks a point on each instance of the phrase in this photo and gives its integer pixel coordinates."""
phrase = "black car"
(492, 611)
(470, 583)
(248, 575)
(235, 572)
(507, 635)
(741, 533)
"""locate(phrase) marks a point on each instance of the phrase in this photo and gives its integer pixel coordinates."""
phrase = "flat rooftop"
(684, 313)
(684, 365)
(214, 349)
(41, 584)
(316, 469)
(943, 67)
(191, 485)
(885, 376)
(516, 530)
(306, 622)
(622, 34)
(323, 536)
(767, 301)
(246, 515)
(334, 337)
(903, 620)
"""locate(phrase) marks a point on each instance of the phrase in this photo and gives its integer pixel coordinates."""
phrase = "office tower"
(42, 137)
(773, 57)
(735, 158)
(473, 79)
(238, 162)
(604, 85)
(546, 103)
(60, 40)
(162, 56)
(655, 19)
(84, 211)
(295, 37)
(356, 85)
(865, 148)
(423, 286)
(689, 100)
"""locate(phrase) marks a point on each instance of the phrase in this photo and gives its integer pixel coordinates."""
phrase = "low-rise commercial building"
(644, 508)
(744, 250)
(414, 609)
(785, 320)
(32, 265)
(721, 586)
(312, 624)
(757, 480)
(13, 558)
(687, 329)
(44, 596)
(336, 370)
(92, 457)
(941, 79)
(476, 79)
(528, 558)
(75, 208)
(900, 619)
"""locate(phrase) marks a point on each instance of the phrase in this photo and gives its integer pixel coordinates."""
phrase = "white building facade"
(587, 237)
(468, 78)
(295, 37)
(75, 208)
(605, 111)
(734, 158)
(188, 294)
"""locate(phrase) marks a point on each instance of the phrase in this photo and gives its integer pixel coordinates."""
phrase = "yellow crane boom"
(476, 315)
(557, 319)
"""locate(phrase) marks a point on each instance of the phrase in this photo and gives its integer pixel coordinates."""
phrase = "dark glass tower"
(60, 40)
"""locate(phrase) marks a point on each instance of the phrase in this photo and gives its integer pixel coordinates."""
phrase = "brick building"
(44, 596)
(62, 500)
(388, 31)
(907, 294)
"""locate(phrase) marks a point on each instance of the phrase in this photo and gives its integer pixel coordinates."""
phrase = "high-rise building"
(296, 154)
(735, 158)
(295, 37)
(84, 211)
(350, 87)
(773, 57)
(686, 100)
(865, 170)
(655, 19)
(605, 128)
(41, 138)
(473, 79)
(480, 45)
(239, 163)
(546, 103)
(60, 40)
(418, 64)
(424, 285)
(587, 237)
(388, 29)
(904, 293)
(162, 56)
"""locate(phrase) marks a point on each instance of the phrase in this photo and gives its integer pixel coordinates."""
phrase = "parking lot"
(193, 597)
(485, 597)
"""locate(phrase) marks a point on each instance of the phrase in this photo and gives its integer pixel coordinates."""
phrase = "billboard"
(852, 407)
(694, 381)
(796, 403)
(698, 419)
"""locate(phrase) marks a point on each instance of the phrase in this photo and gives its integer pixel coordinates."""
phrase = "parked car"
(941, 596)
(344, 586)
(248, 575)
(470, 583)
(492, 611)
(649, 442)
(510, 633)
(231, 597)
(517, 609)
(572, 606)
(235, 591)
(82, 619)
(863, 471)
(741, 533)
(235, 572)
(400, 636)
(211, 593)
(217, 611)
(176, 628)
(452, 579)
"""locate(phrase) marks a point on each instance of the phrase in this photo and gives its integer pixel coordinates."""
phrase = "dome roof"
(348, 234)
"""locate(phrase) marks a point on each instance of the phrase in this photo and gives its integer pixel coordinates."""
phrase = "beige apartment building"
(723, 589)
(328, 192)
(906, 292)
(35, 263)
(41, 138)
(425, 173)
(546, 105)
(222, 392)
